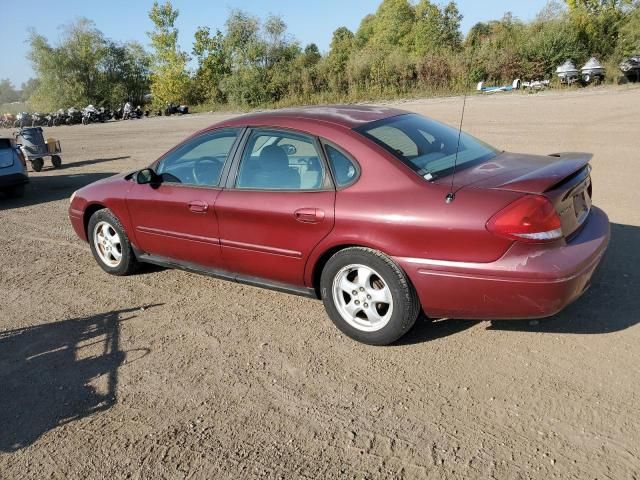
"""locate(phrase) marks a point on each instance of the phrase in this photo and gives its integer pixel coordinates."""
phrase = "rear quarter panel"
(393, 210)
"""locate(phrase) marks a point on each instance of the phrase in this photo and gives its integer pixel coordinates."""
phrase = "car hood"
(521, 173)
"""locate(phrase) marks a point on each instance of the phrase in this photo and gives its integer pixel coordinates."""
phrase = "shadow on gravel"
(427, 329)
(610, 305)
(83, 163)
(56, 373)
(43, 189)
(613, 301)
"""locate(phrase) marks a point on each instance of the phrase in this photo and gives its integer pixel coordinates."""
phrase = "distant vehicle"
(630, 67)
(348, 204)
(13, 169)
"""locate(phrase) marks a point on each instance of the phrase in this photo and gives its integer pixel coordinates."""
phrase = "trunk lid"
(564, 178)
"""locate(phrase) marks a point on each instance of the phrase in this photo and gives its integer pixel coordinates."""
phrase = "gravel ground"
(167, 374)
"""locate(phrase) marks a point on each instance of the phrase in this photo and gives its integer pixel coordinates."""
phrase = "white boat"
(592, 70)
(567, 72)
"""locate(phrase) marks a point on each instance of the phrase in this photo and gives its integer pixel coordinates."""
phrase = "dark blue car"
(13, 169)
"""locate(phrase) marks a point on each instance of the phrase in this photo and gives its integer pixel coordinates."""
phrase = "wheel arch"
(88, 213)
(322, 256)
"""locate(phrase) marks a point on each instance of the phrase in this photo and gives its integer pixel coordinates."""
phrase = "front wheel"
(37, 164)
(368, 296)
(110, 245)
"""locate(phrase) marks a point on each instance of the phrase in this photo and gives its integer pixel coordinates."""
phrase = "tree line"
(402, 48)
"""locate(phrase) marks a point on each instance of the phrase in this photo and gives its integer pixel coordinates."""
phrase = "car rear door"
(278, 205)
(176, 219)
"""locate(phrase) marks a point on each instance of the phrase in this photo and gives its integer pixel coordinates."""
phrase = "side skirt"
(226, 275)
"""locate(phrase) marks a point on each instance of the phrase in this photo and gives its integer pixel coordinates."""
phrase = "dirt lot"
(168, 374)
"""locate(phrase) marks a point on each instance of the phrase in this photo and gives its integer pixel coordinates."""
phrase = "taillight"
(529, 219)
(21, 157)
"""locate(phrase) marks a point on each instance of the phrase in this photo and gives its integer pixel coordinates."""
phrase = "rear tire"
(368, 296)
(56, 161)
(110, 245)
(37, 164)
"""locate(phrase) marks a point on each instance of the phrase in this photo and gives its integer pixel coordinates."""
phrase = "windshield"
(427, 146)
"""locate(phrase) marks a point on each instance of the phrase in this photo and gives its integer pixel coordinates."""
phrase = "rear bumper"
(13, 179)
(528, 281)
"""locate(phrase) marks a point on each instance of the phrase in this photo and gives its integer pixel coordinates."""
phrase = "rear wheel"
(110, 245)
(56, 161)
(37, 164)
(368, 297)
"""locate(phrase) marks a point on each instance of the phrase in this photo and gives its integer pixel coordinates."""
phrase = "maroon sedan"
(378, 212)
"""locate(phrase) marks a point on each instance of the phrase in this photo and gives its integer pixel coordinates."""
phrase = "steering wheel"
(206, 170)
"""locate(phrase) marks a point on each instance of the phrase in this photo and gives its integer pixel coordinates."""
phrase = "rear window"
(427, 146)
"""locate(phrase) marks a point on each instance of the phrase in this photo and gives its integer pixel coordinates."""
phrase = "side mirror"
(148, 176)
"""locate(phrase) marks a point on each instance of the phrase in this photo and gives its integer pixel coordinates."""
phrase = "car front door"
(278, 207)
(176, 219)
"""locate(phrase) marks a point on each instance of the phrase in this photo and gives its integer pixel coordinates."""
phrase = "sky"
(125, 20)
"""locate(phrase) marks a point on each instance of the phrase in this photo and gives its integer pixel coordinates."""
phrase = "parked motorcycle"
(91, 114)
(7, 120)
(60, 118)
(23, 119)
(37, 120)
(74, 116)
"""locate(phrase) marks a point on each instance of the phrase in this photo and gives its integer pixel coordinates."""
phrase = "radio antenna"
(451, 196)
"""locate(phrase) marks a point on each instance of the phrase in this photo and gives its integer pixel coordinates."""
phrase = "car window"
(396, 139)
(280, 160)
(432, 149)
(198, 162)
(344, 169)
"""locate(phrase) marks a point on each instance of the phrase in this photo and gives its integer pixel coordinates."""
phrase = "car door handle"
(309, 215)
(198, 207)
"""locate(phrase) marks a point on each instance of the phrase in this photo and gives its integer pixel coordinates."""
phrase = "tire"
(103, 225)
(351, 281)
(56, 161)
(37, 164)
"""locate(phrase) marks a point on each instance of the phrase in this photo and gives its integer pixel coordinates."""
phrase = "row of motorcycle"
(87, 115)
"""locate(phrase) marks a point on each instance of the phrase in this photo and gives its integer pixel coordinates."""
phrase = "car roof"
(349, 116)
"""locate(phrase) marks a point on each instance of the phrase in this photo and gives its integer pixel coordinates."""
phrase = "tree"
(27, 88)
(68, 72)
(214, 64)
(629, 34)
(169, 78)
(597, 23)
(8, 93)
(342, 44)
(85, 68)
(436, 28)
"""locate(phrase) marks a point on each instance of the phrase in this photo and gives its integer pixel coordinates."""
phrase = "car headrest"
(273, 158)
